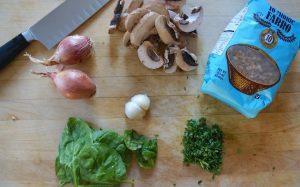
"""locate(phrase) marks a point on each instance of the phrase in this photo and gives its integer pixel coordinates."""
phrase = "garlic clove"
(133, 111)
(142, 100)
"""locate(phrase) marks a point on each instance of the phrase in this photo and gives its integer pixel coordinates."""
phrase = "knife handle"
(11, 49)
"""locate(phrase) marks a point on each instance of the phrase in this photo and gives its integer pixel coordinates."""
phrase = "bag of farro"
(251, 58)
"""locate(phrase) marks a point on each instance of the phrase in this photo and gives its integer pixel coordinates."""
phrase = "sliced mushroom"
(117, 16)
(149, 56)
(170, 65)
(158, 8)
(134, 17)
(131, 5)
(166, 30)
(189, 20)
(126, 38)
(186, 60)
(141, 31)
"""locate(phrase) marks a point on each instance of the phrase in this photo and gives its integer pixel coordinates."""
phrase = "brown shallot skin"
(71, 50)
(72, 83)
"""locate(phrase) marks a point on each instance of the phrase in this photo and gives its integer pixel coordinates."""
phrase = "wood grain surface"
(264, 151)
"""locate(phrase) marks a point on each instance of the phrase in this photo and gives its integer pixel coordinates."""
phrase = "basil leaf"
(146, 156)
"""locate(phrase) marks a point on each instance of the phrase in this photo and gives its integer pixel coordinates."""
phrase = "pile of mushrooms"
(159, 33)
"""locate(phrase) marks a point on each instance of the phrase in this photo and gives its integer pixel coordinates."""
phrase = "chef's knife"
(52, 28)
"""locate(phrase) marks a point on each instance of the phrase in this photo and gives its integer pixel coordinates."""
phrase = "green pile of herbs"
(91, 157)
(203, 145)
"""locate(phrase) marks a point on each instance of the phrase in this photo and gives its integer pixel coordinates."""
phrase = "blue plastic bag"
(251, 58)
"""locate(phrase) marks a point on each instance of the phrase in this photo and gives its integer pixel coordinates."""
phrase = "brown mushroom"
(186, 60)
(121, 24)
(117, 16)
(126, 38)
(158, 8)
(166, 30)
(134, 17)
(141, 31)
(149, 56)
(170, 65)
(189, 19)
(131, 5)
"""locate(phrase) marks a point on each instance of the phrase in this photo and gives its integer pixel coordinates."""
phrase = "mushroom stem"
(117, 16)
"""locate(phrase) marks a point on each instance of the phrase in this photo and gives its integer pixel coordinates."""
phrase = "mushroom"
(126, 38)
(117, 16)
(186, 60)
(170, 65)
(166, 30)
(149, 57)
(189, 20)
(134, 17)
(121, 24)
(158, 8)
(132, 5)
(141, 31)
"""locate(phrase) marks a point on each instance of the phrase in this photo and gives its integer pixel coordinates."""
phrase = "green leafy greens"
(203, 145)
(90, 157)
(146, 149)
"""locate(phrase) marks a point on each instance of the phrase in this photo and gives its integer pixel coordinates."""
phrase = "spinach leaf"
(146, 156)
(99, 164)
(115, 141)
(89, 157)
(146, 150)
(133, 140)
(74, 136)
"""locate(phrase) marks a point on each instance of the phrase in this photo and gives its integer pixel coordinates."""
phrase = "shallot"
(72, 83)
(71, 50)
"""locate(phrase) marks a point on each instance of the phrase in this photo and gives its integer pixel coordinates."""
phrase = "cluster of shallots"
(71, 83)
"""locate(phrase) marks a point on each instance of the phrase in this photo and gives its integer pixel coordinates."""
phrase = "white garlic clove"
(133, 111)
(142, 100)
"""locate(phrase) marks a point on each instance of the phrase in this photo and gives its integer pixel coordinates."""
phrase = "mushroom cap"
(186, 60)
(158, 8)
(126, 38)
(134, 17)
(166, 30)
(131, 5)
(149, 56)
(121, 24)
(192, 21)
(141, 31)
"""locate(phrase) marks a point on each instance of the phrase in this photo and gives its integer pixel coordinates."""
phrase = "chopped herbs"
(91, 157)
(203, 145)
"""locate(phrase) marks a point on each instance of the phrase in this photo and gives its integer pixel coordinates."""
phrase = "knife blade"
(52, 28)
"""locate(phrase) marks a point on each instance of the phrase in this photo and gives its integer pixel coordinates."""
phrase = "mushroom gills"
(169, 65)
(149, 56)
(186, 60)
(189, 19)
(189, 59)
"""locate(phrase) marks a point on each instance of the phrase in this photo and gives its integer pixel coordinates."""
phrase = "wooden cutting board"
(264, 151)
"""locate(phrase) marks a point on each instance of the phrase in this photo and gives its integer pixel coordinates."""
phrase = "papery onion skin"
(71, 50)
(72, 83)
